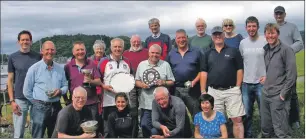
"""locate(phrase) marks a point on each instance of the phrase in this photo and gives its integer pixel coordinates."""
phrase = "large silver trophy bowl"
(87, 73)
(122, 82)
(90, 126)
(150, 77)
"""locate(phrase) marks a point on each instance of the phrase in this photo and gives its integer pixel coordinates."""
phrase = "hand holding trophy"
(87, 77)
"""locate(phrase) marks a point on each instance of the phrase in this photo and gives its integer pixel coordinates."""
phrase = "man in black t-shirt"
(72, 116)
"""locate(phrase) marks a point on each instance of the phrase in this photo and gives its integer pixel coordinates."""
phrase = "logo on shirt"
(110, 66)
(124, 66)
(227, 55)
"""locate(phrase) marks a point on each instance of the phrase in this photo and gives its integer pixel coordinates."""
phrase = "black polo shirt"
(222, 67)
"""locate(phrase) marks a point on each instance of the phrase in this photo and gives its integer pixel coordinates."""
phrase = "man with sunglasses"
(222, 71)
(290, 35)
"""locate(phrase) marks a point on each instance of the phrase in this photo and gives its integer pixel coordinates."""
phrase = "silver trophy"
(87, 73)
(49, 93)
(150, 77)
(187, 84)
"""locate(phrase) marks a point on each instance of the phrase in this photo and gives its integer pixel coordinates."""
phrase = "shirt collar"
(188, 50)
(157, 35)
(139, 49)
(158, 63)
(111, 57)
(46, 66)
(73, 63)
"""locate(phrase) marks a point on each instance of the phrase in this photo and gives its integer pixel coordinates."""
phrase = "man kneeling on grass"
(72, 116)
(169, 116)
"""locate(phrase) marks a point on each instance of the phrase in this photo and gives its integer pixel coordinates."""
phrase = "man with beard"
(277, 90)
(290, 35)
(44, 85)
(76, 77)
(163, 40)
(146, 96)
(18, 65)
(201, 39)
(222, 71)
(251, 49)
(109, 66)
(72, 116)
(185, 64)
(135, 54)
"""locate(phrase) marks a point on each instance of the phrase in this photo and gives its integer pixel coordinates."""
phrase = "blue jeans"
(146, 123)
(43, 116)
(20, 121)
(250, 93)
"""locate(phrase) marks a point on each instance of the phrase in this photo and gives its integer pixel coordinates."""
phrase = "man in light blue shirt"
(45, 76)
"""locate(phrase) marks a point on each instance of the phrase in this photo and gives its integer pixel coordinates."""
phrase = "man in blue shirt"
(44, 77)
(185, 65)
(18, 65)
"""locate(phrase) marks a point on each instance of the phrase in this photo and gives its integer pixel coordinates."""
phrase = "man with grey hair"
(290, 35)
(164, 77)
(163, 40)
(201, 39)
(185, 64)
(135, 54)
(169, 116)
(72, 116)
(109, 66)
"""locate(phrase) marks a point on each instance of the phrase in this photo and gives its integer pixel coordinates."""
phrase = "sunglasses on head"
(228, 25)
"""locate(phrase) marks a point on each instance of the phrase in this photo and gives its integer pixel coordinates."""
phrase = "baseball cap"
(279, 9)
(216, 29)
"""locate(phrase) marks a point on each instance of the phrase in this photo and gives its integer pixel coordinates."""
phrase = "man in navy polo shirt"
(222, 71)
(185, 64)
(76, 78)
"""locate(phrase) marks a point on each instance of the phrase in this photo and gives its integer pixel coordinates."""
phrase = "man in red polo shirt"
(76, 78)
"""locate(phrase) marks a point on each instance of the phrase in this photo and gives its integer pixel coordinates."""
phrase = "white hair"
(80, 89)
(161, 89)
(156, 46)
(117, 39)
(153, 20)
(135, 36)
(99, 44)
(200, 20)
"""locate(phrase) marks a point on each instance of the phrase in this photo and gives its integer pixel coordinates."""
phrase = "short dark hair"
(206, 97)
(122, 95)
(78, 42)
(252, 19)
(24, 32)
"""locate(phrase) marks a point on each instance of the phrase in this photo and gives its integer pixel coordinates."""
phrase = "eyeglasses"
(228, 25)
(79, 98)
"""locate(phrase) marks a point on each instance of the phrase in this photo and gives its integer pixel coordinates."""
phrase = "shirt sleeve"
(297, 40)
(155, 115)
(62, 123)
(138, 74)
(169, 73)
(238, 60)
(10, 66)
(222, 118)
(180, 113)
(204, 61)
(29, 83)
(64, 83)
(196, 120)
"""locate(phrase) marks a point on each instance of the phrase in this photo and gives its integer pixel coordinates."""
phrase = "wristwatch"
(13, 100)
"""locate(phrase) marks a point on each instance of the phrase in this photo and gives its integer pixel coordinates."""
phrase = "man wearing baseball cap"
(222, 72)
(290, 35)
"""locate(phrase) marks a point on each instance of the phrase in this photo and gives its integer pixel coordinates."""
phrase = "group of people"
(226, 74)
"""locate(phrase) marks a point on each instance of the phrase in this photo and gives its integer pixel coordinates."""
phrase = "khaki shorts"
(230, 99)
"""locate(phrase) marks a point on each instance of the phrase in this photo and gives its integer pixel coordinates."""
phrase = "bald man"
(44, 85)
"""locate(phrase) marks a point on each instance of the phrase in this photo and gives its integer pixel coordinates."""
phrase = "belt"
(46, 103)
(222, 88)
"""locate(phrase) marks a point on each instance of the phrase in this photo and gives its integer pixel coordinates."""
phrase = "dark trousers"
(294, 115)
(146, 123)
(275, 117)
(95, 115)
(43, 116)
(190, 97)
(106, 111)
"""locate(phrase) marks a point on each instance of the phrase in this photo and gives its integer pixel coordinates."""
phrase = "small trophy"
(187, 84)
(87, 73)
(49, 93)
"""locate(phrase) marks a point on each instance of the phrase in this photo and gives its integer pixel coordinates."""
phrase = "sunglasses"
(228, 25)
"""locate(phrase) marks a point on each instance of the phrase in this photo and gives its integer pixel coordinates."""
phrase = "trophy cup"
(87, 73)
(187, 84)
(49, 93)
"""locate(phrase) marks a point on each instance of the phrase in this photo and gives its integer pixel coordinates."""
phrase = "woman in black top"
(120, 123)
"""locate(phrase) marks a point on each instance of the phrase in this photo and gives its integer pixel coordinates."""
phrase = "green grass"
(300, 63)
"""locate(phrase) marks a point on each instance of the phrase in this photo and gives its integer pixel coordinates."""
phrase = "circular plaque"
(122, 82)
(150, 77)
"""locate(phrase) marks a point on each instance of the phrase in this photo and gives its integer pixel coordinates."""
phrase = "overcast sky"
(126, 18)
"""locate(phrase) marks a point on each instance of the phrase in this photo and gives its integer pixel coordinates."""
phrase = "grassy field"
(300, 63)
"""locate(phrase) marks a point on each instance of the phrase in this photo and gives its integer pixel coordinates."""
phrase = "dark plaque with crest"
(150, 77)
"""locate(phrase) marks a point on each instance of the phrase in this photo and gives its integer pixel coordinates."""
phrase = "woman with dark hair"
(209, 123)
(121, 124)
